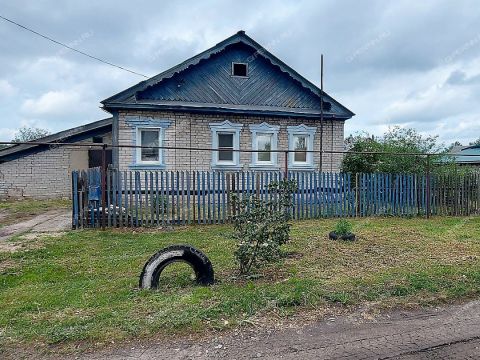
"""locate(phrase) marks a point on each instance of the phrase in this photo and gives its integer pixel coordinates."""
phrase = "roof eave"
(218, 109)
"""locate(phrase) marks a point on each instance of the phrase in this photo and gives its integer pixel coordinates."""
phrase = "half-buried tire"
(199, 262)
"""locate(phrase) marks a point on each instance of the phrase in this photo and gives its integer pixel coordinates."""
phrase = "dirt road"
(49, 222)
(451, 332)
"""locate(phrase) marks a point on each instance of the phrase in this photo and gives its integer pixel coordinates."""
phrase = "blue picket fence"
(159, 198)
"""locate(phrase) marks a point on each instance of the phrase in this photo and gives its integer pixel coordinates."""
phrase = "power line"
(71, 48)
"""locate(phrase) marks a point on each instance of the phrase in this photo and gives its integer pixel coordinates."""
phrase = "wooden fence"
(159, 198)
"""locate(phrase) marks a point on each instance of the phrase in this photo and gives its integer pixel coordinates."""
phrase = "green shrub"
(343, 227)
(261, 226)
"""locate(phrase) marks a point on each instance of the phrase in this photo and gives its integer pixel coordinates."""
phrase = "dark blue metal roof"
(204, 82)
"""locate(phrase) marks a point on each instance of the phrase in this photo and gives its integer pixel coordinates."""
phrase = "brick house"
(235, 95)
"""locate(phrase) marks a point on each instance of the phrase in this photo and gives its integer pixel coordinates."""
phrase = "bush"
(261, 227)
(343, 227)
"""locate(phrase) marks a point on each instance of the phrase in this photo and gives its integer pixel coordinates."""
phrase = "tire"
(333, 236)
(348, 237)
(150, 276)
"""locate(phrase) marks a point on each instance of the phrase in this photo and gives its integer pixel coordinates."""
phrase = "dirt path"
(451, 332)
(50, 221)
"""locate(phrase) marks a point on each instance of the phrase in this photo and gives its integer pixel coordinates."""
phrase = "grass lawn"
(13, 211)
(82, 286)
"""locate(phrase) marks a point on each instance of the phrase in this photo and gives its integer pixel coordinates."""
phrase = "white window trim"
(138, 155)
(309, 132)
(147, 122)
(267, 129)
(226, 127)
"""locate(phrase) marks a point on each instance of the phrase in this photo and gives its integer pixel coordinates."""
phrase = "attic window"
(239, 69)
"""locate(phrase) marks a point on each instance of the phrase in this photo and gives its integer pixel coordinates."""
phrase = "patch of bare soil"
(7, 265)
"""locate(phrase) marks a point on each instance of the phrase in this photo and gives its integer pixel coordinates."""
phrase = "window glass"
(300, 147)
(225, 142)
(264, 142)
(150, 138)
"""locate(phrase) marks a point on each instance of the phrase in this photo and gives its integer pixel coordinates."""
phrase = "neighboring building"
(43, 171)
(466, 155)
(233, 96)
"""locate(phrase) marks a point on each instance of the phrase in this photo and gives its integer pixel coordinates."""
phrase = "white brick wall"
(44, 175)
(192, 130)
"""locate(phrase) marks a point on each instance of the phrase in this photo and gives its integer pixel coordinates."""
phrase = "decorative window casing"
(300, 141)
(226, 138)
(148, 132)
(151, 136)
(264, 137)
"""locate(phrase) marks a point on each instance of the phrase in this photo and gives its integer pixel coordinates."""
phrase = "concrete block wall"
(192, 130)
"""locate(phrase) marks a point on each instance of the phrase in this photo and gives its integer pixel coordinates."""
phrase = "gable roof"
(293, 103)
(73, 135)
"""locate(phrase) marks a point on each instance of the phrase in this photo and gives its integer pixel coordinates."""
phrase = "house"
(466, 155)
(44, 171)
(233, 96)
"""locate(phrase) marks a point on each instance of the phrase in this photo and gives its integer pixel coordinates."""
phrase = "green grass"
(82, 286)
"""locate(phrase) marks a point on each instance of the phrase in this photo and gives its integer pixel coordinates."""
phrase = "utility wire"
(71, 48)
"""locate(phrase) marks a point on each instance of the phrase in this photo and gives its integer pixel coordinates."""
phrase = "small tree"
(261, 226)
(475, 143)
(25, 134)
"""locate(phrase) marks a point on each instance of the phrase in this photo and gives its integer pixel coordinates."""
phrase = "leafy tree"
(454, 144)
(390, 147)
(26, 133)
(475, 143)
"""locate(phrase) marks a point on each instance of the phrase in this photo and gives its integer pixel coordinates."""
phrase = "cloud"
(52, 103)
(6, 89)
(389, 62)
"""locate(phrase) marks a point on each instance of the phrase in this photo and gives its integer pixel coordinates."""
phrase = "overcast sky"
(408, 63)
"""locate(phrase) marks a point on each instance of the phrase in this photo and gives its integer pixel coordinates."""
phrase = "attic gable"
(206, 81)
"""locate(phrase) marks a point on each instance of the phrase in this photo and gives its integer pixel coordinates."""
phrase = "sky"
(406, 63)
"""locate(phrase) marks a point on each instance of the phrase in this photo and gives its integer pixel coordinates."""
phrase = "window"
(300, 147)
(147, 131)
(264, 137)
(225, 138)
(149, 137)
(264, 142)
(225, 142)
(300, 142)
(239, 69)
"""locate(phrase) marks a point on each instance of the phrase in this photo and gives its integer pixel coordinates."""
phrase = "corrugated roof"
(466, 155)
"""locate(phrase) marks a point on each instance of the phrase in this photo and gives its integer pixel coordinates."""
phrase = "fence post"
(104, 173)
(286, 164)
(428, 187)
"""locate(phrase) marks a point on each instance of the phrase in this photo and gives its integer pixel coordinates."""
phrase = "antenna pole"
(321, 113)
